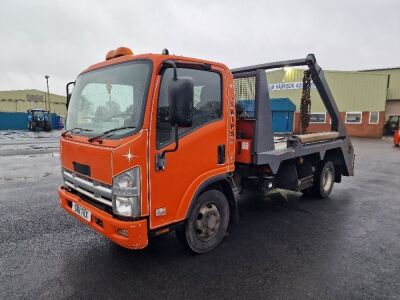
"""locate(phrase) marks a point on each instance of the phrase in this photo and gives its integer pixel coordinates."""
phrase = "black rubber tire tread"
(187, 236)
(317, 190)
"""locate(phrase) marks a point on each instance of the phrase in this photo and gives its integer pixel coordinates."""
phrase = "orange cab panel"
(245, 128)
(134, 154)
(89, 160)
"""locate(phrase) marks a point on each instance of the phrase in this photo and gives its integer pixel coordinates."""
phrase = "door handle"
(221, 154)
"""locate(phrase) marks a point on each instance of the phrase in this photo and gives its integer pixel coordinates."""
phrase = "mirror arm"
(67, 90)
(160, 159)
(173, 64)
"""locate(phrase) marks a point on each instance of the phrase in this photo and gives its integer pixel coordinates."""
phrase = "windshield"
(109, 98)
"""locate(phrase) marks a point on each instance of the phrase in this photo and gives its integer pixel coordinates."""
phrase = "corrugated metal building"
(360, 97)
(22, 100)
(14, 104)
(393, 91)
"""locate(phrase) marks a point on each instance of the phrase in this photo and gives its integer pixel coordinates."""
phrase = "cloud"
(61, 38)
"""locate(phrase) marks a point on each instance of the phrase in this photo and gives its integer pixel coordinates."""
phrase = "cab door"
(202, 147)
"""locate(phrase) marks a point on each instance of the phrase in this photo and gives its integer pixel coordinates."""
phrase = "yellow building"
(393, 89)
(364, 98)
(22, 100)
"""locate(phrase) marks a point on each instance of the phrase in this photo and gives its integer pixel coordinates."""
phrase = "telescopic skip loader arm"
(263, 148)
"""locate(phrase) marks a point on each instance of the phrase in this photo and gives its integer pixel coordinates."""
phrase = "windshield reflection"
(109, 98)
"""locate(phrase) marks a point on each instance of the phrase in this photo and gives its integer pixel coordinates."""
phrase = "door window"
(207, 102)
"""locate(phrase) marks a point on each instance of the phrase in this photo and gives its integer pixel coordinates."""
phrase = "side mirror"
(180, 97)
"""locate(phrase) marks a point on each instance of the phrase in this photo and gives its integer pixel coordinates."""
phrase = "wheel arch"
(221, 183)
(336, 157)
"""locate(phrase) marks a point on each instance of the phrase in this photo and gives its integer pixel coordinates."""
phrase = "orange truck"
(153, 144)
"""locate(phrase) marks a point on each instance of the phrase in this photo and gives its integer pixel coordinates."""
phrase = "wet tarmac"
(15, 143)
(344, 247)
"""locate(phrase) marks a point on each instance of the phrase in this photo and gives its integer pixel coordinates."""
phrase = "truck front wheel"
(207, 222)
(324, 178)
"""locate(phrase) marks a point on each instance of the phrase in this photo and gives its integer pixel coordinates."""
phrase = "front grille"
(89, 200)
(91, 189)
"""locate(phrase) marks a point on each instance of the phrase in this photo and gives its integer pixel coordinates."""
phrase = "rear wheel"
(324, 178)
(33, 126)
(207, 222)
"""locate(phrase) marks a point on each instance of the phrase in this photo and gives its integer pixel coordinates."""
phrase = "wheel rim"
(207, 222)
(327, 179)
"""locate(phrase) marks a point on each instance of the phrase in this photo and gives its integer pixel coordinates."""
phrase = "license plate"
(84, 213)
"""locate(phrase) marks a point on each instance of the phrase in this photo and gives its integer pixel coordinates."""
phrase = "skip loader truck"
(153, 143)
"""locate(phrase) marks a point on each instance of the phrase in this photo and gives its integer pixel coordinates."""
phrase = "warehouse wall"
(394, 81)
(393, 94)
(22, 100)
(352, 91)
(19, 121)
(392, 108)
(365, 129)
(14, 104)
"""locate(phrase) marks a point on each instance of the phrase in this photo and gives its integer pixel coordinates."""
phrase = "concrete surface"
(346, 247)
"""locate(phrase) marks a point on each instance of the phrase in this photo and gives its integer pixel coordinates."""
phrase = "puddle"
(27, 135)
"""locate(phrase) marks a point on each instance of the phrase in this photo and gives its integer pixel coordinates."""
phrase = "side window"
(207, 102)
(318, 118)
(353, 118)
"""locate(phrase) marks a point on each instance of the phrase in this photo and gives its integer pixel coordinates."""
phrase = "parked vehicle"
(153, 145)
(392, 124)
(39, 119)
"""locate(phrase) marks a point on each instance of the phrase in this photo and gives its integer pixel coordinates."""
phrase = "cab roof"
(155, 58)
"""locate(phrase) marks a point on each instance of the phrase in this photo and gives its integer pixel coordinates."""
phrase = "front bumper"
(105, 224)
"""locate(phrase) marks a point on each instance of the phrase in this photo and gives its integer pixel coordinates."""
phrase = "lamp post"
(48, 93)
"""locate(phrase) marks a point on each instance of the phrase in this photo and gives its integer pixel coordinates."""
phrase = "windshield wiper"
(73, 129)
(105, 133)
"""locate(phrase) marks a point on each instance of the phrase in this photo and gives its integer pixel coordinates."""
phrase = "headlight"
(126, 206)
(126, 193)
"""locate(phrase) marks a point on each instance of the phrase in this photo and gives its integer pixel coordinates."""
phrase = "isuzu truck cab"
(153, 144)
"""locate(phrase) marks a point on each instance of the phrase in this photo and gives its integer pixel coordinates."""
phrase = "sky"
(61, 38)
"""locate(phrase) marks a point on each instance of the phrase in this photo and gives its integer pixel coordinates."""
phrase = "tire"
(324, 178)
(33, 126)
(207, 223)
